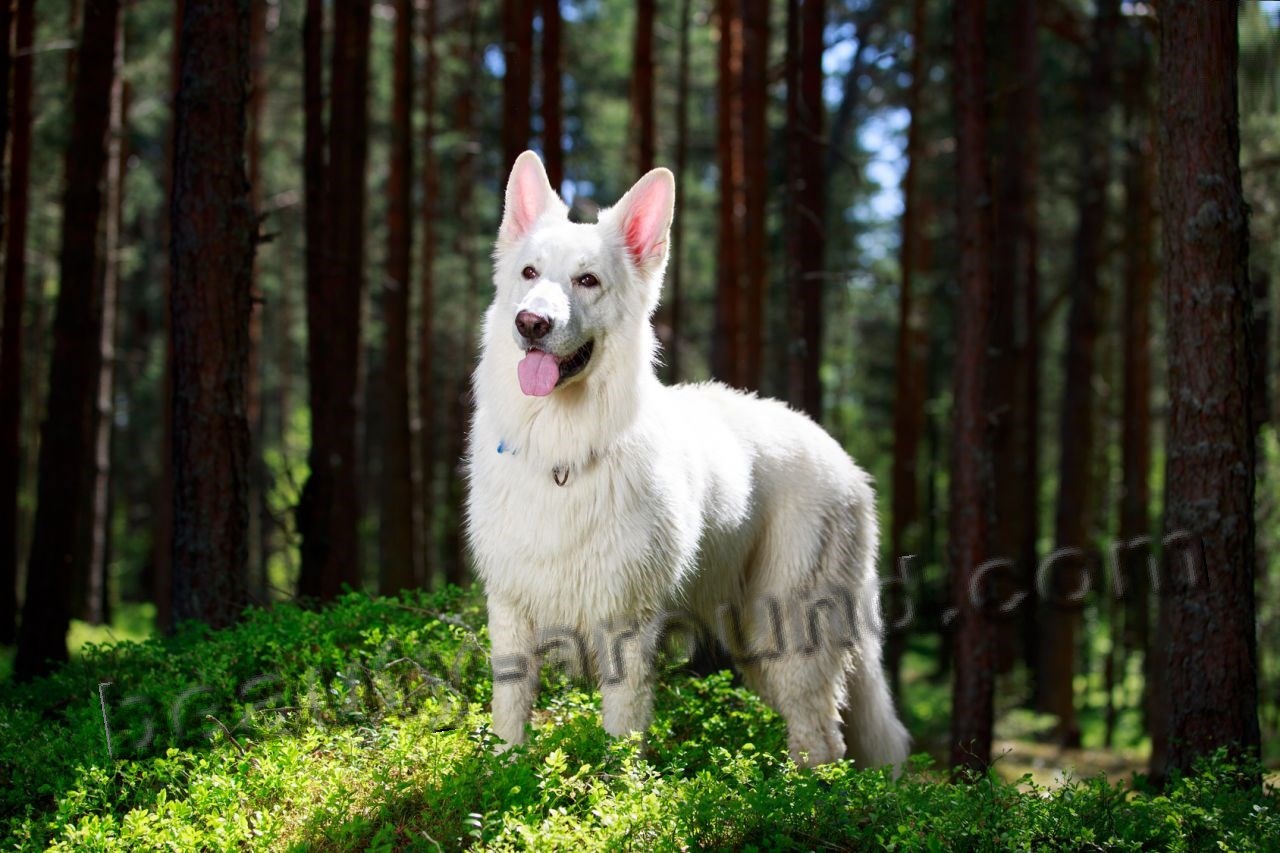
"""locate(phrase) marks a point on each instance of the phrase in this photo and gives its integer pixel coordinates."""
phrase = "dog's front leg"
(515, 670)
(626, 680)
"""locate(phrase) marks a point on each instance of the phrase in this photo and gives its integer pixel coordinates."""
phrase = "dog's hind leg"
(872, 730)
(804, 689)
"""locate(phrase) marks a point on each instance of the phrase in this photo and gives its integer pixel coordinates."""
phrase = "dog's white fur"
(693, 500)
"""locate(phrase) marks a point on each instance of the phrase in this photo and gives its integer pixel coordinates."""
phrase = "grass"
(365, 726)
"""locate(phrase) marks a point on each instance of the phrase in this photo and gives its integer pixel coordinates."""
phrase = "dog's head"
(567, 291)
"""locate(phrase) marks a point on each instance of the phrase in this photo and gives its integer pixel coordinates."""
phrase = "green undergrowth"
(365, 726)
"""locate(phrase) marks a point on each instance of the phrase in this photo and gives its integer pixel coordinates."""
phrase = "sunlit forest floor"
(1023, 746)
(364, 726)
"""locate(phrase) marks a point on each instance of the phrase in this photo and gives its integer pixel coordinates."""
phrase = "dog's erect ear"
(529, 195)
(643, 216)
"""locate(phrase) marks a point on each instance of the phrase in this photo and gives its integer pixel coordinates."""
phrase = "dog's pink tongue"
(539, 373)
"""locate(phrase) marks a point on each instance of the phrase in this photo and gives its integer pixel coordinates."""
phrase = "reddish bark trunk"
(517, 79)
(726, 345)
(66, 438)
(910, 361)
(672, 314)
(399, 552)
(806, 22)
(212, 263)
(974, 675)
(330, 511)
(1211, 689)
(642, 86)
(1074, 518)
(552, 112)
(755, 157)
(15, 281)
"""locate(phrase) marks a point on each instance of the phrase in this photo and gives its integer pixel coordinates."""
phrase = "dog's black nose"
(532, 326)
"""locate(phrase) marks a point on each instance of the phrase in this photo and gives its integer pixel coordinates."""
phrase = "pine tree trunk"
(258, 511)
(552, 111)
(15, 295)
(755, 156)
(806, 22)
(1024, 113)
(517, 50)
(972, 691)
(212, 261)
(671, 311)
(642, 86)
(1139, 282)
(95, 595)
(726, 344)
(399, 552)
(1074, 518)
(66, 438)
(1208, 617)
(329, 514)
(909, 393)
(428, 433)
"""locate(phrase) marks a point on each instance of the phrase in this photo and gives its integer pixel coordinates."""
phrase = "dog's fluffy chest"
(604, 545)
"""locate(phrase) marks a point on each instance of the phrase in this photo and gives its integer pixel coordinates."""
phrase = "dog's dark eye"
(529, 273)
(587, 280)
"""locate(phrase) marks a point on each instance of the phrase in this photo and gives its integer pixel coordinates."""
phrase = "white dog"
(606, 509)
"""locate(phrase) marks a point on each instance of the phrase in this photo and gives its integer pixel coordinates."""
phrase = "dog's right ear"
(529, 196)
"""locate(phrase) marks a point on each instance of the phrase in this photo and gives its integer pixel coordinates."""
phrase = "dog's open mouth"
(541, 372)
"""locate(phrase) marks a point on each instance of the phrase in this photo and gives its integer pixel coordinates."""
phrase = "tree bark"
(399, 552)
(1139, 282)
(212, 263)
(95, 610)
(806, 21)
(642, 86)
(726, 345)
(1074, 518)
(755, 174)
(66, 438)
(15, 295)
(427, 397)
(552, 111)
(671, 312)
(972, 686)
(517, 49)
(910, 390)
(330, 511)
(1211, 686)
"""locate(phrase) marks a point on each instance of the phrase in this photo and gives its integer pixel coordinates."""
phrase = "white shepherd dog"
(606, 509)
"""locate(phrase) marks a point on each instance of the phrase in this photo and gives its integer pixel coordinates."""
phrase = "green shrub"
(364, 726)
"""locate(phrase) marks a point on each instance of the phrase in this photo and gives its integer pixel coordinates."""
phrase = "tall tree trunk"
(972, 691)
(1139, 282)
(428, 433)
(399, 553)
(755, 156)
(1211, 688)
(672, 313)
(258, 510)
(454, 553)
(806, 22)
(15, 295)
(162, 537)
(330, 510)
(726, 345)
(552, 111)
(95, 595)
(66, 438)
(212, 263)
(1074, 518)
(910, 361)
(517, 49)
(1024, 113)
(642, 86)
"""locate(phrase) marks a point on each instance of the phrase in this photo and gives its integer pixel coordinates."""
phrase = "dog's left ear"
(643, 217)
(529, 196)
